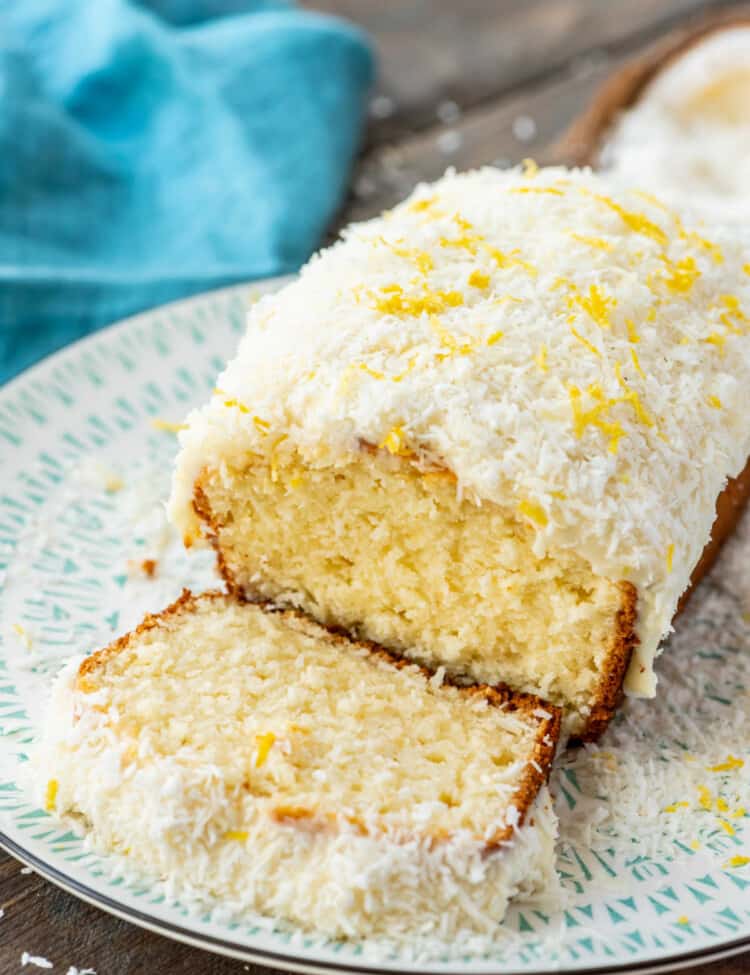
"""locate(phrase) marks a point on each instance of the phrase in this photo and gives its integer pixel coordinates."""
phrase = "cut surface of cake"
(487, 430)
(251, 755)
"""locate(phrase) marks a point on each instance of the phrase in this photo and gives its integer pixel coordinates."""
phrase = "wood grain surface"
(461, 84)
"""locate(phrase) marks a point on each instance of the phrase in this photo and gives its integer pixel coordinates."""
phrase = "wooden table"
(462, 82)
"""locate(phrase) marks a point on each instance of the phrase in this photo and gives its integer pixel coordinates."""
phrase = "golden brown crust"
(582, 143)
(610, 691)
(547, 717)
(729, 507)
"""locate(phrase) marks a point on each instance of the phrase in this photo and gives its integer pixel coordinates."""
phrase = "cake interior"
(314, 728)
(392, 553)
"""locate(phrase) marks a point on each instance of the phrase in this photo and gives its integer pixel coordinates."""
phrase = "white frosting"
(589, 302)
(169, 814)
(688, 136)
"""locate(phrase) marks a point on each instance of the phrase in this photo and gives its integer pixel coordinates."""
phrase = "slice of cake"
(487, 430)
(252, 755)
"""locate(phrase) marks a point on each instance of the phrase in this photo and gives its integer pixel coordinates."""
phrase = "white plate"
(84, 474)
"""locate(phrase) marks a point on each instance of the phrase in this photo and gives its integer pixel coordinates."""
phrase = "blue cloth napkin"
(153, 150)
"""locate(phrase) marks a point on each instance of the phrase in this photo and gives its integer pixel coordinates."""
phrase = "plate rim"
(293, 963)
(233, 949)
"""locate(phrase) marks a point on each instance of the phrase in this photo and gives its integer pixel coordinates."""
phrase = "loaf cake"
(487, 430)
(687, 135)
(251, 755)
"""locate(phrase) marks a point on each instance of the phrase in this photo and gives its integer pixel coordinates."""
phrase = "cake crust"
(548, 717)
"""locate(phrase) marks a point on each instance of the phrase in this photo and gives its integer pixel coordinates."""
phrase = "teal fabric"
(157, 149)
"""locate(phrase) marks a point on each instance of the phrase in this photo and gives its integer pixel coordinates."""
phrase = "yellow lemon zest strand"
(738, 813)
(395, 302)
(583, 418)
(419, 206)
(449, 341)
(166, 425)
(727, 827)
(598, 243)
(264, 744)
(370, 372)
(639, 223)
(395, 443)
(633, 335)
(746, 268)
(718, 340)
(637, 364)
(50, 795)
(479, 279)
(721, 804)
(494, 338)
(468, 240)
(261, 425)
(583, 341)
(533, 511)
(692, 237)
(733, 311)
(530, 168)
(239, 835)
(729, 763)
(422, 259)
(631, 396)
(683, 920)
(541, 358)
(682, 275)
(705, 799)
(597, 304)
(670, 556)
(21, 631)
(560, 495)
(537, 189)
(737, 861)
(510, 259)
(675, 806)
(695, 845)
(715, 403)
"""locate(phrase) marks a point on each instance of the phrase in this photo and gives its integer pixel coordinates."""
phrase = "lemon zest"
(670, 556)
(394, 442)
(729, 763)
(637, 222)
(637, 364)
(737, 861)
(50, 795)
(718, 340)
(533, 511)
(598, 243)
(633, 335)
(583, 341)
(240, 835)
(166, 425)
(494, 338)
(714, 402)
(264, 744)
(479, 279)
(541, 358)
(673, 807)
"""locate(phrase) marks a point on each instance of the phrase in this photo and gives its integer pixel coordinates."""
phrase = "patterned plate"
(655, 843)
